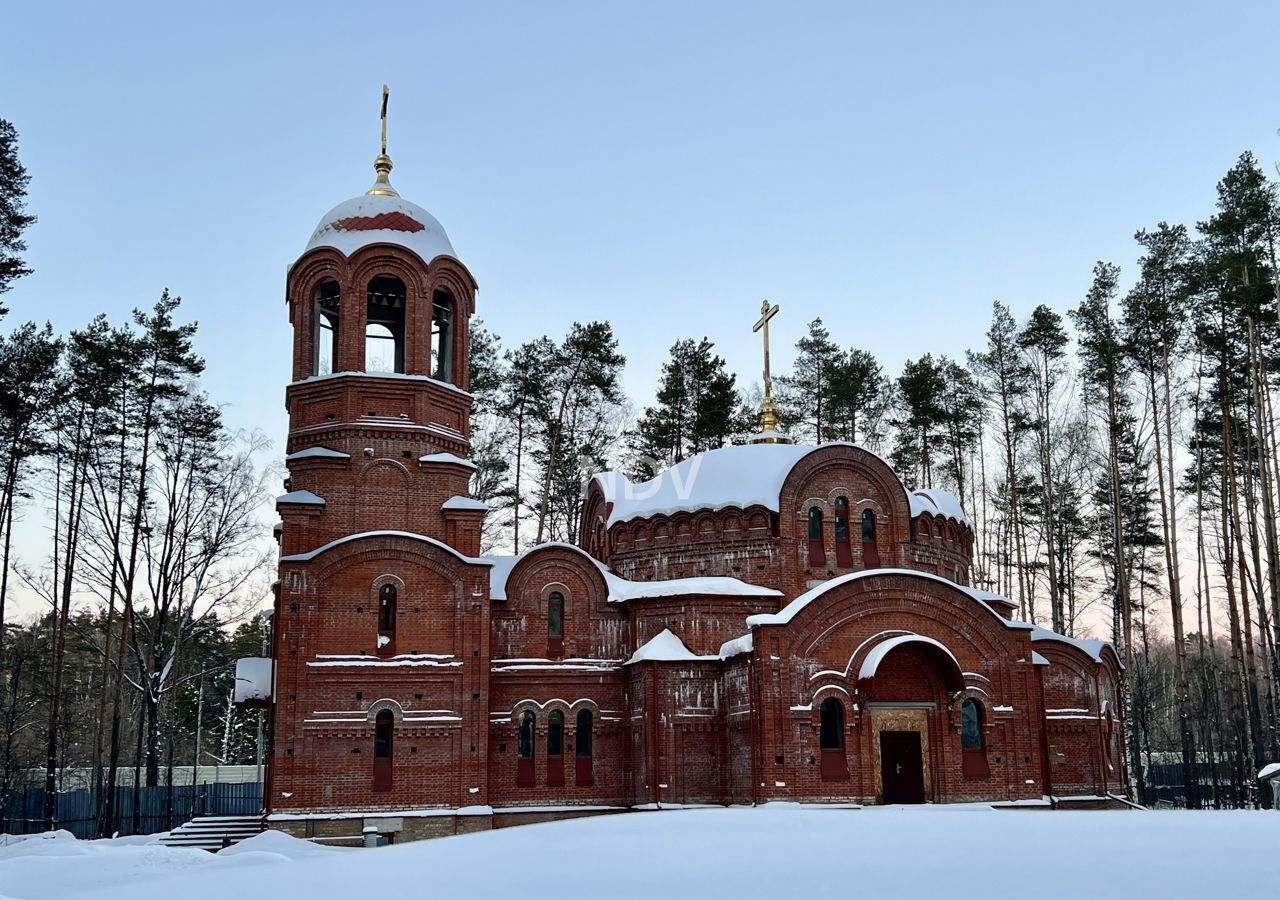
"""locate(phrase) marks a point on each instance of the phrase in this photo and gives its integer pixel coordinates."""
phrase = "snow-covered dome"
(379, 219)
(381, 216)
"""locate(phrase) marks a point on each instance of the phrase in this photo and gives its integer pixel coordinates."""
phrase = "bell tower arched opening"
(384, 329)
(442, 311)
(326, 319)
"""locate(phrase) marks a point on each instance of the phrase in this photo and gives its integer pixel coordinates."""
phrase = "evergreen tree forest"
(153, 549)
(1116, 451)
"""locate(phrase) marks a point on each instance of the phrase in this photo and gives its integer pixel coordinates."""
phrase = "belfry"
(766, 621)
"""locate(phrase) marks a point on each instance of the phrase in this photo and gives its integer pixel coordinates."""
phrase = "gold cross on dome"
(386, 93)
(767, 312)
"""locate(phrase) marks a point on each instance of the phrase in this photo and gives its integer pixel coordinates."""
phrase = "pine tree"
(920, 417)
(697, 408)
(14, 219)
(490, 431)
(1005, 379)
(524, 402)
(805, 396)
(1043, 341)
(859, 397)
(1235, 285)
(584, 386)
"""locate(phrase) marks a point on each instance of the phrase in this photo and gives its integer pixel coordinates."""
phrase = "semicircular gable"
(338, 556)
(892, 494)
(536, 564)
(902, 599)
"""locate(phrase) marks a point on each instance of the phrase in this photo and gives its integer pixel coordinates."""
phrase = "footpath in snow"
(746, 854)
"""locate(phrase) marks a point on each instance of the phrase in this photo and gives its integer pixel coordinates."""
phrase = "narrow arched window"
(384, 329)
(831, 735)
(555, 748)
(817, 552)
(528, 721)
(383, 728)
(834, 766)
(582, 735)
(524, 750)
(583, 772)
(555, 733)
(442, 337)
(324, 356)
(387, 609)
(970, 725)
(870, 551)
(555, 615)
(844, 556)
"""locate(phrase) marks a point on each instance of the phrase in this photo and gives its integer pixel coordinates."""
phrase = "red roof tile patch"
(387, 221)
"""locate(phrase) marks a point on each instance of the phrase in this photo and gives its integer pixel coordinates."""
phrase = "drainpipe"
(655, 735)
(753, 702)
(1102, 747)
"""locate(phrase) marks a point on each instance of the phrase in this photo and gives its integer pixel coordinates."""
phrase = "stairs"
(214, 832)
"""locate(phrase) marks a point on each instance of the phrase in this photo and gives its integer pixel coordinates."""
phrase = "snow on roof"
(254, 675)
(312, 554)
(737, 645)
(622, 589)
(990, 597)
(1091, 647)
(788, 612)
(381, 219)
(464, 503)
(399, 376)
(1038, 660)
(873, 659)
(447, 458)
(306, 498)
(665, 647)
(939, 503)
(742, 476)
(317, 453)
(1269, 771)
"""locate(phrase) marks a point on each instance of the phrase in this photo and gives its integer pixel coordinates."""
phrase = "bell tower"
(378, 403)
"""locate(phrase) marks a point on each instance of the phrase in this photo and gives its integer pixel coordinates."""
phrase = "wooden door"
(901, 767)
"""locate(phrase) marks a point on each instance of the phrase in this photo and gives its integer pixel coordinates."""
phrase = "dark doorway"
(901, 767)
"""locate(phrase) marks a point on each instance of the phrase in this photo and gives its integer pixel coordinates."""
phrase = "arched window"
(555, 624)
(583, 773)
(817, 552)
(583, 733)
(442, 337)
(384, 331)
(555, 748)
(870, 551)
(524, 750)
(387, 610)
(555, 615)
(973, 754)
(324, 355)
(555, 733)
(970, 725)
(832, 732)
(834, 766)
(382, 737)
(844, 556)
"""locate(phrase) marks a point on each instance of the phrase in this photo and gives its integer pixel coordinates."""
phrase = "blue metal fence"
(159, 808)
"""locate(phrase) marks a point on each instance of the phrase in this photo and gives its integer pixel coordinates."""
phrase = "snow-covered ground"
(783, 852)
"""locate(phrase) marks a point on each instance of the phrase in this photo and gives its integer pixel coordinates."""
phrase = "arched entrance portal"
(907, 678)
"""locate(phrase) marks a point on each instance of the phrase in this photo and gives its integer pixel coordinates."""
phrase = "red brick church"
(765, 622)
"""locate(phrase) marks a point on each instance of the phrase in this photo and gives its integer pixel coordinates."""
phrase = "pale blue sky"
(664, 166)
(891, 171)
